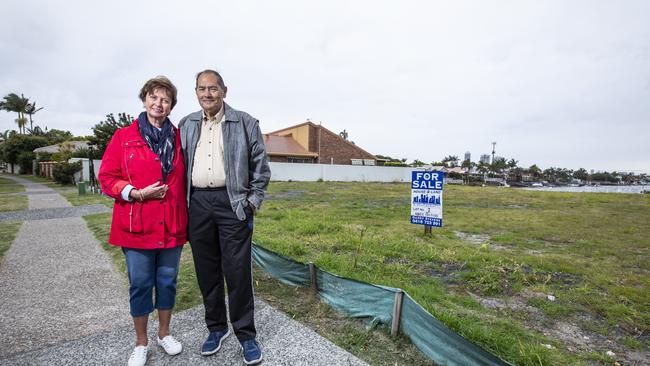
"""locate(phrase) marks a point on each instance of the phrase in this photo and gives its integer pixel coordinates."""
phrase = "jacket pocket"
(131, 219)
(177, 225)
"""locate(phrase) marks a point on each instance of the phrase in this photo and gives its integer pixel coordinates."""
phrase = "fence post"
(312, 276)
(397, 313)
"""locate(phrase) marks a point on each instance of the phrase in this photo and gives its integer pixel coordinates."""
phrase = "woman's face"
(158, 105)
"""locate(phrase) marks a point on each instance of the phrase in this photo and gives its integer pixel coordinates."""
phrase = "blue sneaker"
(213, 342)
(252, 352)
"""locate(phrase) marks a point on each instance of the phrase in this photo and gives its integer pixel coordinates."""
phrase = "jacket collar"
(231, 115)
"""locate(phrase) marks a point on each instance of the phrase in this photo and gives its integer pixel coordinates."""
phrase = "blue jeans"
(149, 268)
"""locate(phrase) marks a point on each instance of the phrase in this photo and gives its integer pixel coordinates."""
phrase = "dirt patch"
(446, 272)
(479, 239)
(393, 260)
(508, 303)
(563, 278)
(566, 331)
(517, 206)
(476, 239)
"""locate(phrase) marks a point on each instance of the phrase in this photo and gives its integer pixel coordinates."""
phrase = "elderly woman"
(143, 170)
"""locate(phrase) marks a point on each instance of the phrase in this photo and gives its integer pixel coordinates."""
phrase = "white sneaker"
(170, 345)
(139, 356)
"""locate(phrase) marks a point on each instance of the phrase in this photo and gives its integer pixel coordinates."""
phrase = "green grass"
(88, 199)
(13, 203)
(374, 346)
(9, 201)
(9, 186)
(590, 250)
(8, 233)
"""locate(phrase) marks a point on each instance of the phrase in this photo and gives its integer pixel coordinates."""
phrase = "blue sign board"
(426, 197)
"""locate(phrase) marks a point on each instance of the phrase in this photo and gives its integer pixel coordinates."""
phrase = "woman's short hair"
(159, 82)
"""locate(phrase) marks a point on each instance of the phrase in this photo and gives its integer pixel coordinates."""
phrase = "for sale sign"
(426, 197)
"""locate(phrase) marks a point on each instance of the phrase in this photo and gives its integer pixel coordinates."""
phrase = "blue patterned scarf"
(161, 142)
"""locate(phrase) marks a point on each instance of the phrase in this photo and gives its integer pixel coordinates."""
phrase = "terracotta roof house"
(311, 143)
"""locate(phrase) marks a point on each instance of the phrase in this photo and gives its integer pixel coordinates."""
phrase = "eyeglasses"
(211, 89)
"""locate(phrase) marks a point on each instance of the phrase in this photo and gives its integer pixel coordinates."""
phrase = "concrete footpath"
(63, 303)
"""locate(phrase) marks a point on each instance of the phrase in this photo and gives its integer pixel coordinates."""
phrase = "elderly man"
(227, 175)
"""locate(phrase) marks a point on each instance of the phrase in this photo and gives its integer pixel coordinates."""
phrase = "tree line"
(510, 170)
(17, 146)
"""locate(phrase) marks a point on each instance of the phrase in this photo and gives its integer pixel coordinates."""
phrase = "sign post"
(426, 199)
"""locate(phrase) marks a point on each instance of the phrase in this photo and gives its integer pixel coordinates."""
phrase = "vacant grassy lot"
(373, 346)
(489, 272)
(9, 201)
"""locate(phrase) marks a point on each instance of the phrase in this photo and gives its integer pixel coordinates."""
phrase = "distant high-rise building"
(468, 156)
(485, 158)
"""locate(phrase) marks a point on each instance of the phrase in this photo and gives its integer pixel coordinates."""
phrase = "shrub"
(394, 163)
(64, 172)
(25, 160)
(17, 144)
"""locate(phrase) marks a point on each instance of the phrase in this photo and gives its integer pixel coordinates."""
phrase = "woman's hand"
(153, 191)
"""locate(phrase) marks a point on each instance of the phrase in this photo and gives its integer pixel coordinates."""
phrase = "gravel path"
(57, 284)
(63, 303)
(283, 341)
(40, 195)
(52, 213)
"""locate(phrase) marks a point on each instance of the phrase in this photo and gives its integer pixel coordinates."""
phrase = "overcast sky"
(556, 83)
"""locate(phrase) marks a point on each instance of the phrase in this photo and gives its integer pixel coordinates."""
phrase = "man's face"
(209, 93)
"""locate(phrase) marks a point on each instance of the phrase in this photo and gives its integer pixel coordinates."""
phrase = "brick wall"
(332, 146)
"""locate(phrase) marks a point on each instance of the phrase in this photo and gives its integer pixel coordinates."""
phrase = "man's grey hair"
(222, 85)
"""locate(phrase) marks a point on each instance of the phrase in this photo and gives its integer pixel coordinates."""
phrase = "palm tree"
(21, 122)
(31, 110)
(4, 136)
(14, 103)
(483, 168)
(512, 163)
(450, 161)
(535, 171)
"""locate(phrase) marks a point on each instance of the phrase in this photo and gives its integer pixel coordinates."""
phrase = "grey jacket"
(245, 161)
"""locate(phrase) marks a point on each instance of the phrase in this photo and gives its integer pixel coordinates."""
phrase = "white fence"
(339, 173)
(84, 174)
(307, 172)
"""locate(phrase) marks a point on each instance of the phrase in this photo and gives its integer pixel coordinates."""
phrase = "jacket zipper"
(131, 219)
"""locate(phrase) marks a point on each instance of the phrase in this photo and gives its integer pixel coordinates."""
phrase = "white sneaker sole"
(254, 362)
(160, 343)
(218, 345)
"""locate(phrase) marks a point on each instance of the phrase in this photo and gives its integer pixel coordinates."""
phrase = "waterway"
(595, 189)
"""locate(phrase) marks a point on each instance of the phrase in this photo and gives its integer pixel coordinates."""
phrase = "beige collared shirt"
(208, 170)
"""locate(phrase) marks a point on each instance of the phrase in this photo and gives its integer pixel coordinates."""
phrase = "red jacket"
(152, 224)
